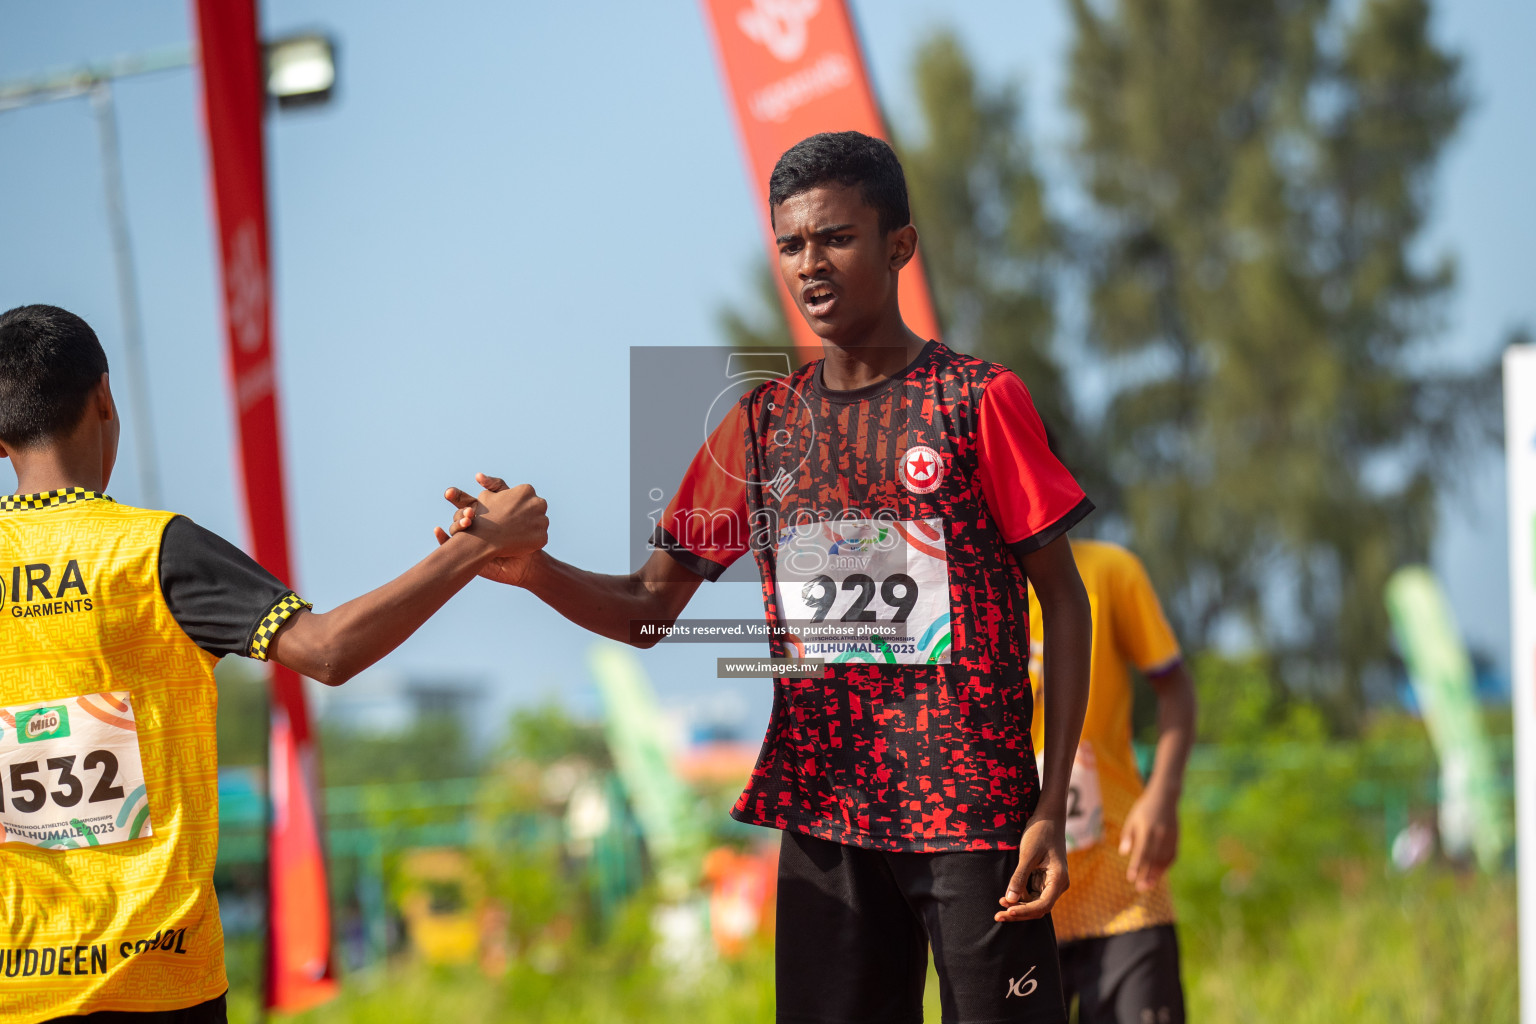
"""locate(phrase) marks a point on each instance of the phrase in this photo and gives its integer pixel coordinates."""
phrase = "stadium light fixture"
(301, 69)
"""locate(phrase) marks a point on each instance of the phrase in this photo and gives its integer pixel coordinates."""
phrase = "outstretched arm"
(603, 604)
(1150, 835)
(1068, 623)
(607, 605)
(334, 646)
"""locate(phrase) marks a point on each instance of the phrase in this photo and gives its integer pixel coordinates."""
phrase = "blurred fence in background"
(1264, 826)
(515, 884)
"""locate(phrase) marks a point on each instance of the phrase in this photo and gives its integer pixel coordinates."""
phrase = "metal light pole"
(127, 292)
(96, 83)
(300, 71)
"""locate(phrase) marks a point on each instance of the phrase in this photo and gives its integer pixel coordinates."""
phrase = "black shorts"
(1125, 979)
(854, 927)
(211, 1012)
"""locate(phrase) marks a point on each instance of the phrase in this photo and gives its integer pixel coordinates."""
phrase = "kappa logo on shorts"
(922, 470)
(1022, 986)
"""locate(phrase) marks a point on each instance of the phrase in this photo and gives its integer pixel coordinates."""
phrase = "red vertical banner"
(299, 968)
(793, 69)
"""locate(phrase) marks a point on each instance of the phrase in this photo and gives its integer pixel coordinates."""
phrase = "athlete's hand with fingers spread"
(512, 519)
(1041, 876)
(1150, 838)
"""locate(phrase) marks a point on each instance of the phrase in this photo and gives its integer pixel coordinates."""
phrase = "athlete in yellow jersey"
(111, 621)
(1114, 926)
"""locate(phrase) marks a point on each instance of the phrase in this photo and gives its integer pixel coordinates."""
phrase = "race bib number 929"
(866, 590)
(70, 773)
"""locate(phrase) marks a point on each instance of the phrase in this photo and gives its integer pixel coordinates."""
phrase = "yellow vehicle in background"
(443, 901)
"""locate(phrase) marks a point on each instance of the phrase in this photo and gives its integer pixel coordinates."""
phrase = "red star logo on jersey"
(922, 470)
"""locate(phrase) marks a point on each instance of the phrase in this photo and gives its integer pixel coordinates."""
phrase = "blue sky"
(501, 201)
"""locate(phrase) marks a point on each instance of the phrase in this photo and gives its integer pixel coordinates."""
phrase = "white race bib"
(70, 773)
(1085, 806)
(866, 590)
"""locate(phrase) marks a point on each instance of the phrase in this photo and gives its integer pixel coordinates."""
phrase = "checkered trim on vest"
(280, 613)
(48, 499)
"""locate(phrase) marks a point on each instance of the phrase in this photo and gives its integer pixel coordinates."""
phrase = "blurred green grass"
(1288, 909)
(1428, 947)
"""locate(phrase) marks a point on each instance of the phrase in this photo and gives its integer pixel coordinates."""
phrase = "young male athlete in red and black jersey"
(903, 489)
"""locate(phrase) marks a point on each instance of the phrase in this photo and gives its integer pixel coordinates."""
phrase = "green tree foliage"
(1258, 176)
(1261, 175)
(989, 245)
(760, 324)
(243, 724)
(545, 733)
(433, 747)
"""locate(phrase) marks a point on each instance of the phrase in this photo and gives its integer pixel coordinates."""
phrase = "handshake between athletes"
(907, 768)
(661, 589)
(519, 507)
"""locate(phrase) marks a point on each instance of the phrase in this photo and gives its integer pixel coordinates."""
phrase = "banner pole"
(300, 966)
(1520, 455)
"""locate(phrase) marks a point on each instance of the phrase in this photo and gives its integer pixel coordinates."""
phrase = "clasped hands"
(512, 520)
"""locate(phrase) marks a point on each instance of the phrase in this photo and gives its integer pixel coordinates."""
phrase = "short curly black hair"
(50, 360)
(844, 158)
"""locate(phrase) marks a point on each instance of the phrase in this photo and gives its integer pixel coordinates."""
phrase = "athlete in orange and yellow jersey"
(111, 622)
(1114, 926)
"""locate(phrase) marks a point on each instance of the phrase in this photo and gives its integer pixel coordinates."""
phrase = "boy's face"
(836, 262)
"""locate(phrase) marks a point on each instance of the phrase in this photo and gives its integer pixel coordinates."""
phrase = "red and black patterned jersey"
(893, 516)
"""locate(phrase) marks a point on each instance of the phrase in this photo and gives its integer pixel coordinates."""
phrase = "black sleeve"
(217, 593)
(1035, 542)
(663, 540)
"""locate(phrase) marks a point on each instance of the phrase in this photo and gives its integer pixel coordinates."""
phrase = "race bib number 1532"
(70, 773)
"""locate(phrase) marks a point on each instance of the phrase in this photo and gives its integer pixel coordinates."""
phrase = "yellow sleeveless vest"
(131, 924)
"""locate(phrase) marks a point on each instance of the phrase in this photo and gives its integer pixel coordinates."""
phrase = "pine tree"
(1261, 174)
(991, 248)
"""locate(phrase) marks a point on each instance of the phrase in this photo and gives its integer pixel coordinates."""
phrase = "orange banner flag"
(792, 69)
(300, 970)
